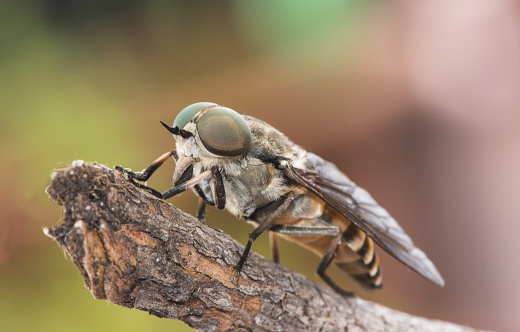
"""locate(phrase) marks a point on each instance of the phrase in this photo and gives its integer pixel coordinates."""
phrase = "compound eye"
(188, 113)
(224, 132)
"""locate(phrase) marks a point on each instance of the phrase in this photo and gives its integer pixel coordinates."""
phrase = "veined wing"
(325, 180)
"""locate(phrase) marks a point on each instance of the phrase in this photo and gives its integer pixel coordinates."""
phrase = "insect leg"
(275, 253)
(201, 210)
(142, 186)
(306, 230)
(147, 173)
(324, 264)
(220, 194)
(262, 227)
(179, 188)
(297, 231)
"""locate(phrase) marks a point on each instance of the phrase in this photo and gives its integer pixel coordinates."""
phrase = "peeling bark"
(141, 252)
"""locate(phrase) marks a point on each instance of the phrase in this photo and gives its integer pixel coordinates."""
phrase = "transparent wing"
(337, 190)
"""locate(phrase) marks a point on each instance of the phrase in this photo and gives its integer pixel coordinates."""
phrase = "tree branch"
(141, 252)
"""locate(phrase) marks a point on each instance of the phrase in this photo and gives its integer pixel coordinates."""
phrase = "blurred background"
(417, 101)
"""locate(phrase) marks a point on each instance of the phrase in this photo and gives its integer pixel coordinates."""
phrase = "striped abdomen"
(365, 267)
(355, 254)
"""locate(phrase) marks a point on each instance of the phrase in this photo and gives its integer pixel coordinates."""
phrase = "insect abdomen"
(355, 254)
(365, 269)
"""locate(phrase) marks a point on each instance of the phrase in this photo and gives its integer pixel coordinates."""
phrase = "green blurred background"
(418, 102)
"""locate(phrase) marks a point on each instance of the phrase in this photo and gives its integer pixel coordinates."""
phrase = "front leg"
(185, 182)
(179, 188)
(219, 193)
(147, 173)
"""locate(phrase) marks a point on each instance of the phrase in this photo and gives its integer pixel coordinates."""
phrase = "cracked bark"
(141, 252)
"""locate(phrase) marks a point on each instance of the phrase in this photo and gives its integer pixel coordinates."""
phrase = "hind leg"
(324, 264)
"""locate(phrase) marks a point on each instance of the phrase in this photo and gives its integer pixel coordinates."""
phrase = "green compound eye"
(224, 132)
(188, 113)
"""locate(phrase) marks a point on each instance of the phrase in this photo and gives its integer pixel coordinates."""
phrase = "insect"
(246, 166)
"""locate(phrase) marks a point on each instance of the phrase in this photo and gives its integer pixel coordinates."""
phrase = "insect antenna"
(177, 131)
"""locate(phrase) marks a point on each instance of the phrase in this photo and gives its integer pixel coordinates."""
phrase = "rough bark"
(141, 252)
